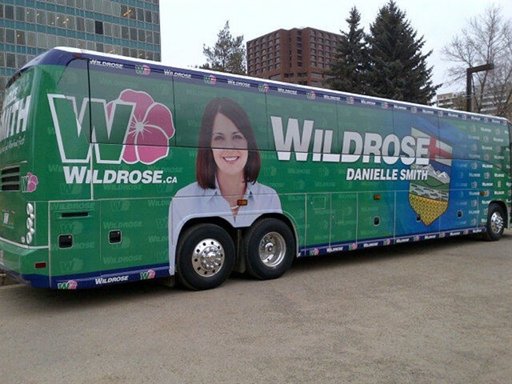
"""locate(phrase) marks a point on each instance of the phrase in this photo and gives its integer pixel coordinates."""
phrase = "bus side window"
(195, 94)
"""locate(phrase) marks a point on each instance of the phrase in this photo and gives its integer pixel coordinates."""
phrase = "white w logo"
(76, 130)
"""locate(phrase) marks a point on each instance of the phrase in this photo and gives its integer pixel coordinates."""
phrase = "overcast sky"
(186, 25)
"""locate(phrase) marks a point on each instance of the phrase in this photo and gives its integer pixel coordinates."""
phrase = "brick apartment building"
(300, 56)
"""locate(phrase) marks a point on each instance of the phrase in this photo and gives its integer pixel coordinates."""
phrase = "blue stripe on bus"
(96, 279)
(322, 249)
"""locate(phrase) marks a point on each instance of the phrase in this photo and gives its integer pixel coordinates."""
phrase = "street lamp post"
(469, 81)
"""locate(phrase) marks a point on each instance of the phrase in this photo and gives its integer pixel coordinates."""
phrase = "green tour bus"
(115, 169)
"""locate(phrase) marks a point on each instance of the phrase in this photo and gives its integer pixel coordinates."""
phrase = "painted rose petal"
(150, 154)
(150, 128)
(131, 138)
(160, 116)
(130, 154)
(153, 136)
(141, 100)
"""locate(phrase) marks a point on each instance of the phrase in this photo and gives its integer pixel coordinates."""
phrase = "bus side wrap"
(119, 153)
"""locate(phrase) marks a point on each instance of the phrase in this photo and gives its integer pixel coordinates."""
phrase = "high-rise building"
(457, 100)
(29, 27)
(451, 100)
(300, 56)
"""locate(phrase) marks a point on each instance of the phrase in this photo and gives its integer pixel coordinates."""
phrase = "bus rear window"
(14, 124)
(16, 104)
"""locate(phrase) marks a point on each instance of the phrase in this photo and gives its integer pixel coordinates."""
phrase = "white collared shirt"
(193, 201)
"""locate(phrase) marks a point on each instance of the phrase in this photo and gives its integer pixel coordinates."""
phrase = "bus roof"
(63, 55)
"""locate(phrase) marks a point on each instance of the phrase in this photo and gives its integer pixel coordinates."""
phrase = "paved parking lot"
(434, 312)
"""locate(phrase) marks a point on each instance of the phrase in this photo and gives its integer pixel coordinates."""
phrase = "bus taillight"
(29, 237)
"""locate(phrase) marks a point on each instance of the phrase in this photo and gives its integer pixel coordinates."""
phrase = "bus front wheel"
(495, 222)
(206, 256)
(269, 249)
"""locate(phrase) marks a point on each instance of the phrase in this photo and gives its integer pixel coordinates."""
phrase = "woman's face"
(229, 146)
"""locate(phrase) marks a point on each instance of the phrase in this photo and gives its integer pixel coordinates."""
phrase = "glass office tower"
(29, 27)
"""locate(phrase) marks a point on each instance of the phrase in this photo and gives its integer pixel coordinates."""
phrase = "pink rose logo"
(148, 275)
(32, 182)
(264, 88)
(150, 129)
(210, 79)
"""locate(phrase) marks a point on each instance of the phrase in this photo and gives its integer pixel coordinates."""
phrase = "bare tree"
(486, 39)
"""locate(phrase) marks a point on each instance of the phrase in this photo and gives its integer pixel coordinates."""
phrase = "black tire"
(269, 249)
(205, 256)
(495, 222)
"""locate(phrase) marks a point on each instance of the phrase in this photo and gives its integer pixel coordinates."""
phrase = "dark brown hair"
(205, 164)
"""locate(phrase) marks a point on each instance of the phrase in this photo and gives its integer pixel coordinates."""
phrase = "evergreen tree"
(398, 70)
(228, 53)
(349, 70)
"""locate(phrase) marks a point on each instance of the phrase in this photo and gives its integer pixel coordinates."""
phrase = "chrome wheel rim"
(208, 257)
(272, 249)
(496, 222)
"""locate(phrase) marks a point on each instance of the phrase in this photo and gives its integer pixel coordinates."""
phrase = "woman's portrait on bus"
(227, 167)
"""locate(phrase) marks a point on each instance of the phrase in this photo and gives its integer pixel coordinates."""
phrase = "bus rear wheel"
(268, 248)
(495, 222)
(206, 256)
